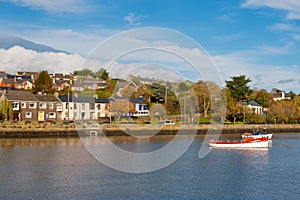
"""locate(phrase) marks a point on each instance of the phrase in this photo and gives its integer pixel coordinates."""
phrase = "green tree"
(235, 110)
(183, 87)
(102, 74)
(158, 93)
(238, 87)
(84, 72)
(43, 83)
(5, 109)
(262, 97)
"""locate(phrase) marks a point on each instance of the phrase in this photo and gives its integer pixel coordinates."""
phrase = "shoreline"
(18, 131)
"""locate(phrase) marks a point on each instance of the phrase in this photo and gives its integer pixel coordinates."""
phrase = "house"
(84, 108)
(139, 107)
(5, 85)
(33, 75)
(123, 85)
(60, 76)
(61, 84)
(24, 105)
(281, 96)
(17, 82)
(49, 107)
(82, 83)
(255, 107)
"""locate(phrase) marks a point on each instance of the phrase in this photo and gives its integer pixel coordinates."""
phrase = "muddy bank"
(66, 130)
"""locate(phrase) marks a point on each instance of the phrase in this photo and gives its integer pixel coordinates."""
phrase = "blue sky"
(257, 37)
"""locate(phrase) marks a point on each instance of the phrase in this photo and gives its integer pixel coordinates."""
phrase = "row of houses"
(22, 105)
(26, 81)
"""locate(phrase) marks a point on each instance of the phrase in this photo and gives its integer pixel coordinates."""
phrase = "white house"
(255, 107)
(84, 108)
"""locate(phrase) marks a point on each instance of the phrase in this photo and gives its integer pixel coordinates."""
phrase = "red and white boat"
(247, 142)
(258, 134)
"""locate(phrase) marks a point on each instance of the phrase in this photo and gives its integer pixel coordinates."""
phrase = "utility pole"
(69, 103)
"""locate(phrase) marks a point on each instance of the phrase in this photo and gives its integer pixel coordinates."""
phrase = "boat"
(247, 142)
(258, 134)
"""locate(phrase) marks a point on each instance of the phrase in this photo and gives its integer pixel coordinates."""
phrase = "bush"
(53, 122)
(292, 121)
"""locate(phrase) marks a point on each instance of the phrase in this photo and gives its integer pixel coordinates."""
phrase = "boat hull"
(254, 144)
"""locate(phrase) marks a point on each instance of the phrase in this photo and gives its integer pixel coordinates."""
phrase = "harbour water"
(61, 168)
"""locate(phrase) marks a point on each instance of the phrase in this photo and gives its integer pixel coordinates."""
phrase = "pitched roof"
(48, 98)
(83, 99)
(19, 95)
(254, 103)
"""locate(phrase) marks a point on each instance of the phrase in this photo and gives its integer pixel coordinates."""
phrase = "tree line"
(174, 96)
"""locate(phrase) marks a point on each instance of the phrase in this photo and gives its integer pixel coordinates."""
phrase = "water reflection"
(42, 142)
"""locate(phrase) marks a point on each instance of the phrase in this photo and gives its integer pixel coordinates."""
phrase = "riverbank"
(9, 129)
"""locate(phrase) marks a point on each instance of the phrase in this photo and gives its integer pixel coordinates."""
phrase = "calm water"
(61, 168)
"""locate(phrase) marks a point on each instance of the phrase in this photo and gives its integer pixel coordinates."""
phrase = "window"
(75, 105)
(67, 105)
(99, 106)
(83, 106)
(23, 105)
(52, 115)
(32, 105)
(28, 115)
(75, 114)
(15, 106)
(92, 106)
(42, 105)
(92, 115)
(51, 105)
(82, 115)
(59, 107)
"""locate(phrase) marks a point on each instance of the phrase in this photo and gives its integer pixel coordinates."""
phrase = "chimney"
(56, 94)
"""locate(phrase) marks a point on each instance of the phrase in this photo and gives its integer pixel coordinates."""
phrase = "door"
(41, 116)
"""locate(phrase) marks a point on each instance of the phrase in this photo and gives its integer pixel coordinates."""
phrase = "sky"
(259, 38)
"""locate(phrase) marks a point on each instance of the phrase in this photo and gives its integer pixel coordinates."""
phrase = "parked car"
(168, 122)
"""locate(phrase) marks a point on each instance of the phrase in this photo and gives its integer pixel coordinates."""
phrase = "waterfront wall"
(60, 129)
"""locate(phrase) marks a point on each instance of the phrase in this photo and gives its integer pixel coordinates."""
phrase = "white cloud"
(273, 50)
(133, 20)
(264, 76)
(284, 27)
(17, 58)
(65, 39)
(292, 7)
(55, 6)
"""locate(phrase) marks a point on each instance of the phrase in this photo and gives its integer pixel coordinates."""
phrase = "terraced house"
(22, 105)
(84, 108)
